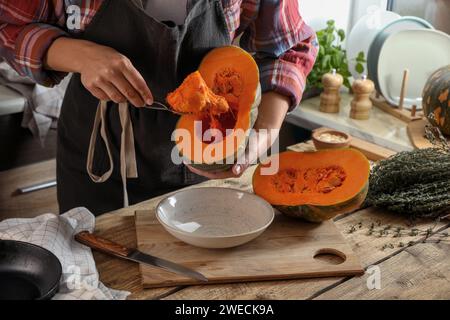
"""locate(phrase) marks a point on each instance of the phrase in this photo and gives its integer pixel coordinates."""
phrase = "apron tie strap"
(128, 164)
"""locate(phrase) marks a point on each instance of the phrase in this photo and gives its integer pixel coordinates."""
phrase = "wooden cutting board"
(416, 132)
(286, 250)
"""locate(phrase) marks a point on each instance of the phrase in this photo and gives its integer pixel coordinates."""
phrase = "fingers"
(239, 169)
(113, 77)
(99, 94)
(212, 175)
(113, 93)
(258, 145)
(243, 162)
(127, 90)
(137, 81)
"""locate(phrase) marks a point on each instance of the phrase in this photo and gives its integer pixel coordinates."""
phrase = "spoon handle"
(160, 106)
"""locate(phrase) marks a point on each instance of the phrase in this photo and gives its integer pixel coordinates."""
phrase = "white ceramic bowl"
(214, 217)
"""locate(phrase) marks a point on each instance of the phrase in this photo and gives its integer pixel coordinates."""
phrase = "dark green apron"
(164, 54)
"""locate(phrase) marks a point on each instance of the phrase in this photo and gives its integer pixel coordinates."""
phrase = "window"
(345, 12)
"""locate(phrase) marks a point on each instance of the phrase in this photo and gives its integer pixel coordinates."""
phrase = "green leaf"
(331, 55)
(334, 61)
(361, 58)
(325, 62)
(329, 39)
(347, 83)
(359, 68)
(321, 53)
(340, 57)
(341, 34)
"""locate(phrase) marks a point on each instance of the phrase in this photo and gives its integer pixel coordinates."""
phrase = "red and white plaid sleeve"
(285, 46)
(29, 27)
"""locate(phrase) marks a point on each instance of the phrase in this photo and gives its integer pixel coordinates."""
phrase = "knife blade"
(117, 250)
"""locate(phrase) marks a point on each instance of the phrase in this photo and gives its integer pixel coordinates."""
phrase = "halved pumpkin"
(231, 74)
(315, 186)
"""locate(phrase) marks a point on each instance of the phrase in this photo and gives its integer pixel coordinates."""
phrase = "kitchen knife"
(117, 250)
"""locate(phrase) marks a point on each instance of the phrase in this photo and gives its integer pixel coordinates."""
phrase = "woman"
(120, 52)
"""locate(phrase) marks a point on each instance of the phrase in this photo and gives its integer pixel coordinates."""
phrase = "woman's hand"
(106, 73)
(259, 143)
(271, 114)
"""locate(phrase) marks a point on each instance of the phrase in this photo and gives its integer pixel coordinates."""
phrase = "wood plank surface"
(286, 250)
(370, 249)
(372, 151)
(409, 271)
(119, 226)
(29, 205)
(419, 272)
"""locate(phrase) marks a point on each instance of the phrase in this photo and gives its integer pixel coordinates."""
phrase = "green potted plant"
(332, 55)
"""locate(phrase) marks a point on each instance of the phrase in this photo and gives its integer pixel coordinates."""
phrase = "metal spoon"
(162, 107)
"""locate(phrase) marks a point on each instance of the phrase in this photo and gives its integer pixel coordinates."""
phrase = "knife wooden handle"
(101, 244)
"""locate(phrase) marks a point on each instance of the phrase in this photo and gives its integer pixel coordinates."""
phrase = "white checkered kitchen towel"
(42, 104)
(80, 280)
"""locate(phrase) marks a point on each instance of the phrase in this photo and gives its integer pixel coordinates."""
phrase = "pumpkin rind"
(213, 65)
(436, 99)
(317, 207)
(323, 213)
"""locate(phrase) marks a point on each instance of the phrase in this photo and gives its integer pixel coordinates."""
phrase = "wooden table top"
(413, 261)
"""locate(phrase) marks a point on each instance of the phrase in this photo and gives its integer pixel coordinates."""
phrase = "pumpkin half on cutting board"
(315, 186)
(223, 95)
(436, 99)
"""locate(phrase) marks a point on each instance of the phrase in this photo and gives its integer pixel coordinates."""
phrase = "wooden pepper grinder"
(361, 103)
(330, 99)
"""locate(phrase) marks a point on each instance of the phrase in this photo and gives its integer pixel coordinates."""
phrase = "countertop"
(408, 267)
(382, 128)
(10, 101)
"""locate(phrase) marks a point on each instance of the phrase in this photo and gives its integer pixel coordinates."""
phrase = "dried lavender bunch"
(415, 183)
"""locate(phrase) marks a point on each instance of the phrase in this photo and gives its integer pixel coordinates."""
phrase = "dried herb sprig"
(377, 230)
(415, 183)
(435, 135)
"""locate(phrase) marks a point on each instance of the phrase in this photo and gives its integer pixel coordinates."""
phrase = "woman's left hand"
(259, 143)
(271, 114)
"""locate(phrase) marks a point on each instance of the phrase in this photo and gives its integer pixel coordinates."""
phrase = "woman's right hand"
(105, 72)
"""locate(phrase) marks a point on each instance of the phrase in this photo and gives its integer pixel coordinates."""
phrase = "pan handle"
(102, 245)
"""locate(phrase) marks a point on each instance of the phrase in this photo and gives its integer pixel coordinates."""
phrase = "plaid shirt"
(285, 47)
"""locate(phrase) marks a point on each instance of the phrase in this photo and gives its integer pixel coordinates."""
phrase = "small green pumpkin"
(436, 99)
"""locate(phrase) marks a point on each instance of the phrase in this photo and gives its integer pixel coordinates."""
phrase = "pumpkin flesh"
(231, 74)
(194, 97)
(316, 185)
